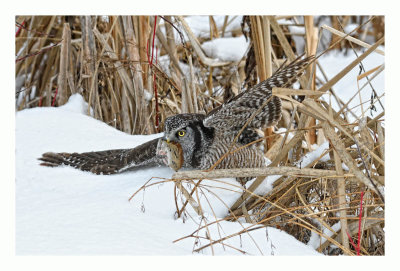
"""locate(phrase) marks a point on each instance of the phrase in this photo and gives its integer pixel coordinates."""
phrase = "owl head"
(188, 130)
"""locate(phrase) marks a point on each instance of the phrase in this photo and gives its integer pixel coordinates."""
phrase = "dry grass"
(113, 64)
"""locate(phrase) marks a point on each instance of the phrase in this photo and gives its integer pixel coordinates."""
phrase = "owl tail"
(109, 161)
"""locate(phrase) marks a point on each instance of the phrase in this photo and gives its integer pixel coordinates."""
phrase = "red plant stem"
(20, 26)
(351, 240)
(358, 247)
(40, 101)
(359, 223)
(42, 34)
(54, 99)
(37, 53)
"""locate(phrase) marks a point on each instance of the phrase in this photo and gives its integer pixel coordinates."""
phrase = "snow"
(63, 211)
(308, 158)
(226, 49)
(77, 104)
(316, 240)
(346, 88)
(200, 25)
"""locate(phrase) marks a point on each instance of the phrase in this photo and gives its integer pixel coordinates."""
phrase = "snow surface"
(346, 88)
(200, 25)
(63, 211)
(226, 49)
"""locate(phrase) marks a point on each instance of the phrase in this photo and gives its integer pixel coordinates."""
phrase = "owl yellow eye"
(181, 133)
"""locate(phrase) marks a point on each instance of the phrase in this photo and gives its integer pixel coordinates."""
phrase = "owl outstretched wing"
(233, 114)
(109, 161)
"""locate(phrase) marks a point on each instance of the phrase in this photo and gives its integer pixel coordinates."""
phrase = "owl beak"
(166, 139)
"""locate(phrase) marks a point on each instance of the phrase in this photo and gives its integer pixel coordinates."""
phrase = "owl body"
(198, 141)
(238, 156)
(203, 146)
